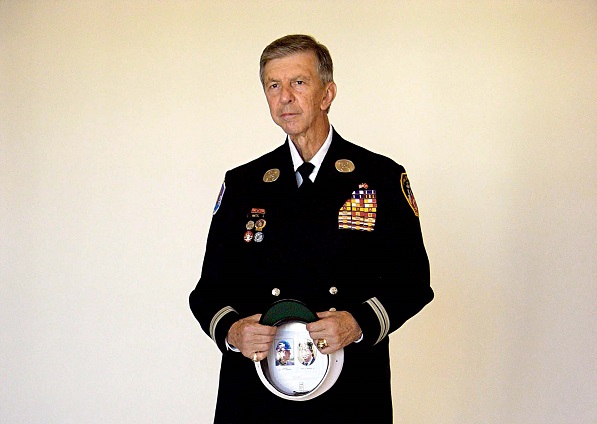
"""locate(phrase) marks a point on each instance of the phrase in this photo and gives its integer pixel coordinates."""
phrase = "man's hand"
(251, 338)
(337, 328)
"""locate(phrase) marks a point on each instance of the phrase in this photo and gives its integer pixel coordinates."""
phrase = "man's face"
(296, 97)
(283, 354)
(286, 356)
(305, 353)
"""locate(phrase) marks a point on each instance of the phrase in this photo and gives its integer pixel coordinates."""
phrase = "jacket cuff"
(220, 324)
(373, 320)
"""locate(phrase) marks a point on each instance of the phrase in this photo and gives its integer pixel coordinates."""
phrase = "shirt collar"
(317, 159)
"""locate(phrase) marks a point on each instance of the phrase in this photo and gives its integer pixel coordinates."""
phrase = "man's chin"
(289, 128)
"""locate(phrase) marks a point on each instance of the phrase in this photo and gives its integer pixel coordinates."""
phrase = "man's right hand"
(251, 338)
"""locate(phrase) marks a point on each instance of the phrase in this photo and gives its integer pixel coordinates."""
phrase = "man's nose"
(286, 95)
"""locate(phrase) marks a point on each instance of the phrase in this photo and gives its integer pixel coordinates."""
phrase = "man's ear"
(329, 95)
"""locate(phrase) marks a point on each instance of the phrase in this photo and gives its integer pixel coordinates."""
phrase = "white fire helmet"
(294, 368)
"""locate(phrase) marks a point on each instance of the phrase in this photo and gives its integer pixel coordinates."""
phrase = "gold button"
(332, 309)
(333, 290)
(276, 292)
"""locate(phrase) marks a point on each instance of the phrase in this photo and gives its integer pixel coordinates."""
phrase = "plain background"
(118, 120)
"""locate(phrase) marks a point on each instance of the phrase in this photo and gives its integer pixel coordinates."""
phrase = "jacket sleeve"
(400, 287)
(212, 301)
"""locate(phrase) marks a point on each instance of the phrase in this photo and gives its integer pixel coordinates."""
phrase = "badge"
(408, 193)
(250, 225)
(257, 213)
(248, 236)
(260, 224)
(344, 165)
(258, 237)
(271, 175)
(220, 197)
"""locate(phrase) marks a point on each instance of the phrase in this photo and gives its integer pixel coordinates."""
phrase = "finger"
(324, 314)
(315, 326)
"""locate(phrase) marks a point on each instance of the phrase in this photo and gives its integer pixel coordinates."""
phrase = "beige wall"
(118, 120)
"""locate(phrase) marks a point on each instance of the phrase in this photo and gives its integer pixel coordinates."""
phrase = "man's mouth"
(287, 115)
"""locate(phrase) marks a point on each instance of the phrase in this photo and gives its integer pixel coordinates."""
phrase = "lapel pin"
(344, 165)
(271, 175)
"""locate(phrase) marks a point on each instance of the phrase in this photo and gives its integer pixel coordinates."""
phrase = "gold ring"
(255, 357)
(322, 344)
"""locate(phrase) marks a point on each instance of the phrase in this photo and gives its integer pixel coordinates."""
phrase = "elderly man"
(320, 220)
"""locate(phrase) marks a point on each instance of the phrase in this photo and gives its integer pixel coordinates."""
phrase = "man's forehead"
(300, 64)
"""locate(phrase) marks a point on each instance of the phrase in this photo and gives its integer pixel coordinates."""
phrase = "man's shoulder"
(258, 166)
(362, 156)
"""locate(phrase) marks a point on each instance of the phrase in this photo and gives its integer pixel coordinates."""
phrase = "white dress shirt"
(297, 160)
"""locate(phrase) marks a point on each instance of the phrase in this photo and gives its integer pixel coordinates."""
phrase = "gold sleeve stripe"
(382, 316)
(216, 319)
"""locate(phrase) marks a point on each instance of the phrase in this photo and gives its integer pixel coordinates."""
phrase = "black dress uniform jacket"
(307, 253)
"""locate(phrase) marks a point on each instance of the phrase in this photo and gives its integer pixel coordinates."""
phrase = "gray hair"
(296, 43)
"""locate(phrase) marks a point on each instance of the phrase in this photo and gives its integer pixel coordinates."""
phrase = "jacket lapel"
(331, 184)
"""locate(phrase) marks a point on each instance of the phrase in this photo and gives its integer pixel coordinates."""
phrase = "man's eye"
(299, 82)
(273, 86)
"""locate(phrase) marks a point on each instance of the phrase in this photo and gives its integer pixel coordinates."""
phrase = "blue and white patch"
(220, 197)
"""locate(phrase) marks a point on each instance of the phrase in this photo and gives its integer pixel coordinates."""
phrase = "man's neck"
(309, 143)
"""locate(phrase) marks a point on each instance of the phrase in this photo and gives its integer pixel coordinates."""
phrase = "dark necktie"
(305, 170)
